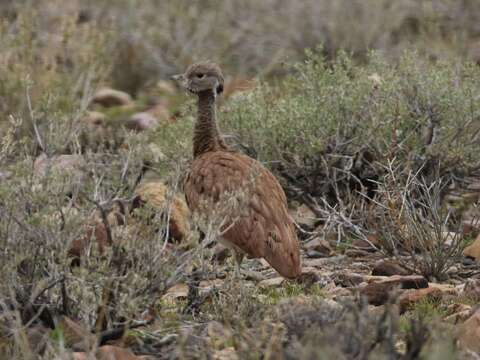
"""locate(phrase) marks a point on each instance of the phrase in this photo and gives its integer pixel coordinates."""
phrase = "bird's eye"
(200, 76)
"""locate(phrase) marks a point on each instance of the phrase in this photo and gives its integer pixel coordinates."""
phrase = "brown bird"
(237, 192)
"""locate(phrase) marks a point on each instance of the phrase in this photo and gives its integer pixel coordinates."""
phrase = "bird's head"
(200, 77)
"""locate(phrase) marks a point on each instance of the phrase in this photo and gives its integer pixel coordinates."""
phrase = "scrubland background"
(367, 111)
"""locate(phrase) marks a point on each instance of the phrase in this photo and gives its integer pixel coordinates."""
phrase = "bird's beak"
(179, 77)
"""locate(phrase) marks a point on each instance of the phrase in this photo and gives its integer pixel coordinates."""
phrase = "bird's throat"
(206, 135)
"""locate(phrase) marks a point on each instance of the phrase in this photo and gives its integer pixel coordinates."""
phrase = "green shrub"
(336, 127)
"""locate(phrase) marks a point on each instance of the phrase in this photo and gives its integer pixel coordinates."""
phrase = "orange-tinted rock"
(473, 250)
(155, 194)
(458, 313)
(378, 292)
(76, 335)
(468, 333)
(411, 297)
(110, 352)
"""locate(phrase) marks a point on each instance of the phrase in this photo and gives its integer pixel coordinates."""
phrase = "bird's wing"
(250, 202)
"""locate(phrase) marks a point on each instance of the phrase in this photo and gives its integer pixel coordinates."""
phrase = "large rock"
(69, 169)
(468, 333)
(320, 246)
(155, 194)
(379, 292)
(473, 250)
(108, 97)
(370, 243)
(304, 217)
(71, 166)
(388, 268)
(109, 352)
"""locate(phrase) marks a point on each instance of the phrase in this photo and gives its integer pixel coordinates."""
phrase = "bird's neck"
(206, 135)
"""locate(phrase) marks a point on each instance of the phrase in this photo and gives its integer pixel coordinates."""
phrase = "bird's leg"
(243, 273)
(238, 261)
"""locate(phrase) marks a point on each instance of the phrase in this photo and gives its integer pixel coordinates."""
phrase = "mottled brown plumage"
(227, 185)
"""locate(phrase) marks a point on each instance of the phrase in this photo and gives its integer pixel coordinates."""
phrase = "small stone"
(218, 334)
(408, 281)
(379, 311)
(472, 289)
(471, 226)
(228, 353)
(356, 253)
(166, 87)
(319, 245)
(5, 175)
(458, 313)
(473, 250)
(94, 118)
(313, 254)
(220, 253)
(371, 243)
(305, 217)
(378, 293)
(38, 337)
(160, 112)
(273, 282)
(75, 335)
(80, 355)
(81, 246)
(450, 238)
(388, 268)
(141, 121)
(348, 279)
(110, 352)
(108, 97)
(178, 291)
(308, 277)
(324, 261)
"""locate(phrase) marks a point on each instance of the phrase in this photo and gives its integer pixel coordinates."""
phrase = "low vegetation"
(380, 147)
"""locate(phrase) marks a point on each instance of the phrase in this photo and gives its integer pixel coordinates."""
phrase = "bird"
(225, 184)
